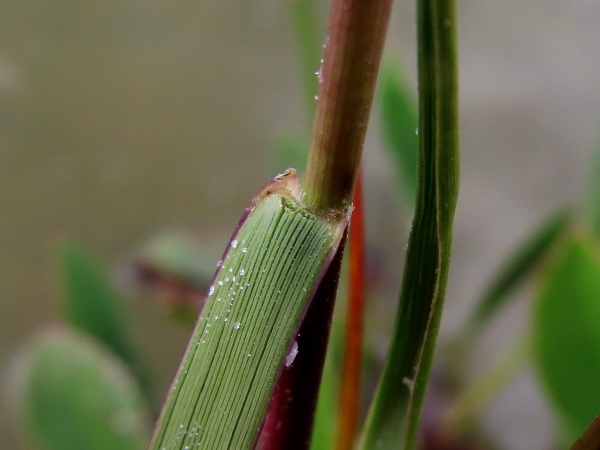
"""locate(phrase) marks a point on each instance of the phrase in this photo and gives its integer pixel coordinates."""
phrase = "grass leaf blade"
(395, 413)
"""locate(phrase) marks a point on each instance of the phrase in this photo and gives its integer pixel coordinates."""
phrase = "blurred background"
(123, 119)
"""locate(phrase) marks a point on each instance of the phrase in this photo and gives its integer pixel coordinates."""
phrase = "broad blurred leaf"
(92, 305)
(399, 125)
(74, 394)
(566, 332)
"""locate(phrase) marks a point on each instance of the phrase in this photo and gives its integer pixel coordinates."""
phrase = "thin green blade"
(227, 376)
(394, 416)
(566, 333)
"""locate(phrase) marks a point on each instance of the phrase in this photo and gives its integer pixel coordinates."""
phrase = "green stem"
(347, 78)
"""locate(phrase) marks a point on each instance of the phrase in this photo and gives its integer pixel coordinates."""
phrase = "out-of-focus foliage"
(566, 332)
(93, 305)
(74, 394)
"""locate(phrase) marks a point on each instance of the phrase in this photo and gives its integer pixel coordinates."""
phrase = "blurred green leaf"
(73, 394)
(303, 13)
(291, 150)
(515, 270)
(92, 305)
(181, 258)
(399, 123)
(566, 332)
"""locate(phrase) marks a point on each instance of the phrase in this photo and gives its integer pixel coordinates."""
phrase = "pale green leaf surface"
(74, 394)
(566, 332)
(222, 388)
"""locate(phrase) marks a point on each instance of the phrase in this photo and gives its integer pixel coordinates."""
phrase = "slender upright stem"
(347, 78)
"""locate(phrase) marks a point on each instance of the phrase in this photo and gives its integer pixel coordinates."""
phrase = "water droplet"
(242, 271)
(248, 355)
(316, 96)
(218, 299)
(292, 354)
(234, 243)
(417, 131)
(408, 382)
(220, 283)
(245, 249)
(211, 290)
(237, 325)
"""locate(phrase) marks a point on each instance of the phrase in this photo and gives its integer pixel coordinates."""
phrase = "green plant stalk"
(396, 410)
(268, 275)
(347, 80)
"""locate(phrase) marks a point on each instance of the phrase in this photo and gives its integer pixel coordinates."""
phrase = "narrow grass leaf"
(566, 332)
(514, 271)
(244, 334)
(399, 121)
(74, 394)
(93, 305)
(395, 412)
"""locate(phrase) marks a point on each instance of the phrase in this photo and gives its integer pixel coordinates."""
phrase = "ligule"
(254, 307)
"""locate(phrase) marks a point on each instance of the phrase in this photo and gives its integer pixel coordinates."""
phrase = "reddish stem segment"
(349, 405)
(347, 78)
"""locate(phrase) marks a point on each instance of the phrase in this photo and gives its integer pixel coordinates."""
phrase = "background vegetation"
(123, 119)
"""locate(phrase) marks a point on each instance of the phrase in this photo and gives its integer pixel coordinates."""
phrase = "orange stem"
(349, 405)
